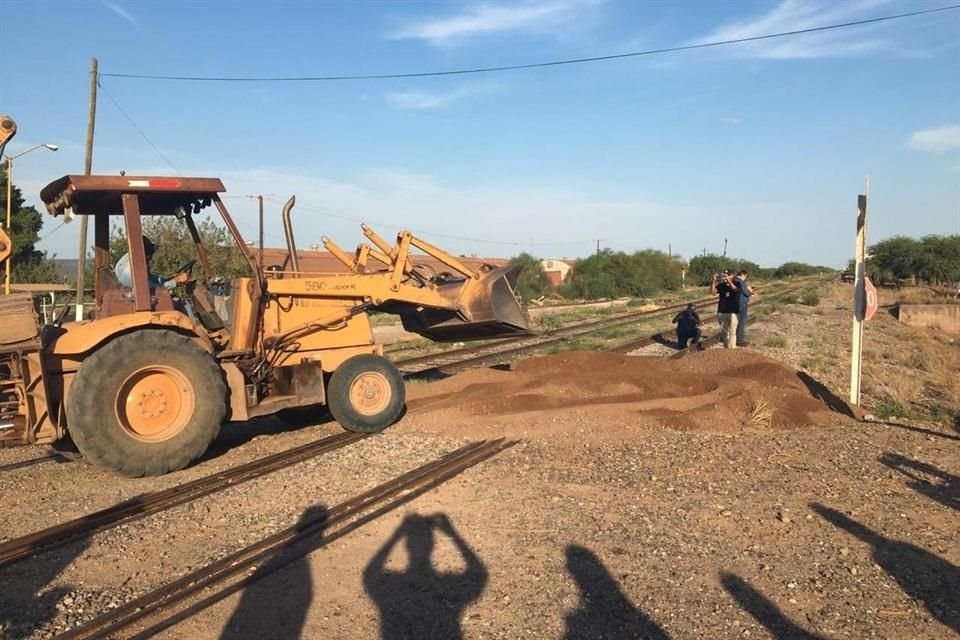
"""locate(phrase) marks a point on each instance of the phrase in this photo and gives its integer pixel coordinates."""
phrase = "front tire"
(146, 403)
(366, 394)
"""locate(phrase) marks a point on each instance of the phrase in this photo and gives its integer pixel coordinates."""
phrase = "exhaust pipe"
(288, 232)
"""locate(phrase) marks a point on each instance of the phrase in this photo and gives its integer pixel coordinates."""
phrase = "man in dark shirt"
(688, 326)
(728, 306)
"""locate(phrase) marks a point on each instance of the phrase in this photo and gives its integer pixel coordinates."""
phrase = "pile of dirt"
(716, 390)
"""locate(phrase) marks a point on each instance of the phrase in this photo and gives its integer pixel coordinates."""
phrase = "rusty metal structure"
(144, 385)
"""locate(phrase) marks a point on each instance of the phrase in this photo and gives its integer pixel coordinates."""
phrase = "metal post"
(260, 202)
(87, 168)
(6, 284)
(860, 298)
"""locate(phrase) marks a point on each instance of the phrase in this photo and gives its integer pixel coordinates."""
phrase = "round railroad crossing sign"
(871, 299)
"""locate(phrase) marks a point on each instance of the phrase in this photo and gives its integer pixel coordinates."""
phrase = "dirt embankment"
(715, 390)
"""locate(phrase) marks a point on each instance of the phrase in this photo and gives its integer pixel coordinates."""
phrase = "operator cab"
(132, 198)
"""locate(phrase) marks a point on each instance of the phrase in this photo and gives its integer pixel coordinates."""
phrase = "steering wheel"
(187, 267)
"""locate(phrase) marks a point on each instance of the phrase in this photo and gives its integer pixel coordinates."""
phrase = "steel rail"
(386, 496)
(17, 549)
(33, 461)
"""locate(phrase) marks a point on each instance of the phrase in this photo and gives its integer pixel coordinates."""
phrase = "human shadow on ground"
(419, 601)
(946, 489)
(923, 576)
(24, 605)
(277, 608)
(605, 612)
(822, 393)
(764, 610)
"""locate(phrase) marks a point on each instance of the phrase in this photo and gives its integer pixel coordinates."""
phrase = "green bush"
(810, 299)
(610, 274)
(776, 342)
(890, 407)
(533, 282)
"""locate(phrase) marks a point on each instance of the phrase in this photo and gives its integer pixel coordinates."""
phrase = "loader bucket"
(488, 308)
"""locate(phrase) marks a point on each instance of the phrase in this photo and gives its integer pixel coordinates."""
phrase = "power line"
(332, 214)
(139, 130)
(50, 233)
(535, 65)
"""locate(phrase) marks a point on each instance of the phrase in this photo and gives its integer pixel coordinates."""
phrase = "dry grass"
(775, 342)
(761, 415)
(927, 295)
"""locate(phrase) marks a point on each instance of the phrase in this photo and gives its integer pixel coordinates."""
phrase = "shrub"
(890, 407)
(776, 342)
(810, 299)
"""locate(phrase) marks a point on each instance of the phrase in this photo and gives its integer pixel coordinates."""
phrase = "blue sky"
(766, 143)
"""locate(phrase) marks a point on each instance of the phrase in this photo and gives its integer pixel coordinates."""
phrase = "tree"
(533, 281)
(788, 269)
(702, 268)
(29, 264)
(933, 259)
(610, 274)
(175, 246)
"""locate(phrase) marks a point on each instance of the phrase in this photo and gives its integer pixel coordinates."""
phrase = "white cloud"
(120, 11)
(435, 99)
(485, 19)
(938, 140)
(729, 122)
(797, 15)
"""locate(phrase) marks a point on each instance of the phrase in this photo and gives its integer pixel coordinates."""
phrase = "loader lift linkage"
(143, 388)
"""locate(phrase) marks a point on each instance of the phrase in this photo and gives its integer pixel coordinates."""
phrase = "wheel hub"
(370, 393)
(155, 403)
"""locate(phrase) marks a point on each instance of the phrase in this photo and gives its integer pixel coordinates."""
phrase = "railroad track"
(492, 353)
(32, 462)
(473, 356)
(18, 549)
(185, 596)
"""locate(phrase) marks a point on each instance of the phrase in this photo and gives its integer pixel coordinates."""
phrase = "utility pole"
(260, 203)
(598, 246)
(87, 168)
(724, 247)
(669, 250)
(860, 295)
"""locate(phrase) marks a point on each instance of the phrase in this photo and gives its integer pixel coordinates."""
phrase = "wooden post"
(87, 168)
(859, 298)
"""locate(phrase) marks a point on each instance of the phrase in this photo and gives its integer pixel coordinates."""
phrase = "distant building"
(557, 269)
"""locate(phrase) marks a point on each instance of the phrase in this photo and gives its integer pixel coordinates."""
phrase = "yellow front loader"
(8, 129)
(144, 386)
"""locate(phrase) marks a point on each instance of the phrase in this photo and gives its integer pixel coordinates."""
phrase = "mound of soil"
(716, 390)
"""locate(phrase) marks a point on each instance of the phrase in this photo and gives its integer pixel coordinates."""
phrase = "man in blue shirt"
(125, 277)
(746, 292)
(688, 327)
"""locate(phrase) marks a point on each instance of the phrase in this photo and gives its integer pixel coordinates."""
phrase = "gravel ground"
(846, 530)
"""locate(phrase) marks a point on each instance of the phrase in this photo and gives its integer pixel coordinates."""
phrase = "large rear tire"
(146, 403)
(366, 394)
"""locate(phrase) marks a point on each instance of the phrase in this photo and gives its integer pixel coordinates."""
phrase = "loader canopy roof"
(158, 195)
